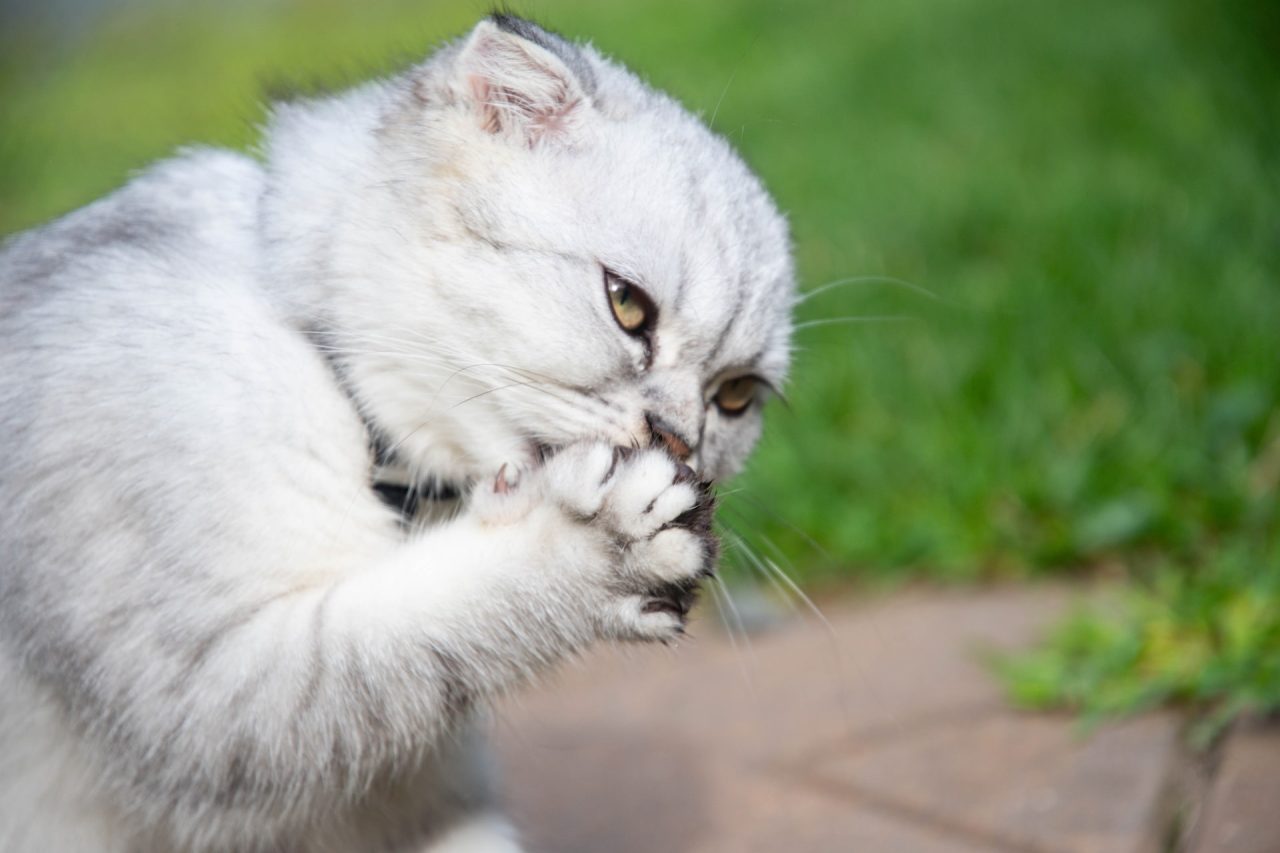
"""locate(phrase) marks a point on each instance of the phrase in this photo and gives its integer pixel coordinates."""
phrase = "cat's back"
(141, 355)
(125, 308)
(195, 210)
(164, 428)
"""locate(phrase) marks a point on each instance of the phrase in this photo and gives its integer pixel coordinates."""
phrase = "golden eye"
(631, 306)
(736, 394)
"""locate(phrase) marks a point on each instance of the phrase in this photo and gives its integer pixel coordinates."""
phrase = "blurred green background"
(1058, 232)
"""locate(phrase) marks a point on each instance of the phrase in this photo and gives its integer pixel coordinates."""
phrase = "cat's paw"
(651, 520)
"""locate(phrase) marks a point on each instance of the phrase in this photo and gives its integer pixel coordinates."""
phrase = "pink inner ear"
(516, 90)
(490, 113)
(494, 100)
(557, 122)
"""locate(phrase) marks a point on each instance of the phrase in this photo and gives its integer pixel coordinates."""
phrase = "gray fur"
(213, 634)
(551, 42)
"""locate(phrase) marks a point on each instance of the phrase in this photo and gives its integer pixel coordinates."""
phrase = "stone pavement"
(884, 733)
(1242, 814)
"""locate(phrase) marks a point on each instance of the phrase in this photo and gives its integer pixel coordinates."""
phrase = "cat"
(512, 284)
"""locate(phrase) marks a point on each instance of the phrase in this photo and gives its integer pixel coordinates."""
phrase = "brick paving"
(884, 733)
(1242, 814)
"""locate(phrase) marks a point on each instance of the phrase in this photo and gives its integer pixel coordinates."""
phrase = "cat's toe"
(667, 572)
(676, 599)
(697, 518)
(580, 476)
(652, 491)
(673, 555)
(646, 618)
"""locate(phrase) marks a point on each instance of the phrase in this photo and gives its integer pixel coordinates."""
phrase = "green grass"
(1089, 190)
(1208, 640)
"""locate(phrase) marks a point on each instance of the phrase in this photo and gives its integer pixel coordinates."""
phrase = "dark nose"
(663, 434)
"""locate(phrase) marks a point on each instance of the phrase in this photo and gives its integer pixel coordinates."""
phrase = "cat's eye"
(632, 307)
(735, 395)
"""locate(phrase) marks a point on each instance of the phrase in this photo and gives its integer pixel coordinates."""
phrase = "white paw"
(646, 515)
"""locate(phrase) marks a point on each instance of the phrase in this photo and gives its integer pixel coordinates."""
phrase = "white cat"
(490, 272)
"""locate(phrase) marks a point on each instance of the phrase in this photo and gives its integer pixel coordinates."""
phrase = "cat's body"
(213, 634)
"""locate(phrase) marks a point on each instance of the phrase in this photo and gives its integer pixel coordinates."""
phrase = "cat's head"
(548, 250)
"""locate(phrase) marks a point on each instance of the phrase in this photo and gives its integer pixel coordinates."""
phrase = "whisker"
(856, 319)
(455, 374)
(573, 401)
(740, 546)
(769, 568)
(732, 622)
(764, 508)
(723, 92)
(871, 279)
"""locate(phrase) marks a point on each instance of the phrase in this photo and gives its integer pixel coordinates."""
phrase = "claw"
(677, 599)
(620, 454)
(501, 485)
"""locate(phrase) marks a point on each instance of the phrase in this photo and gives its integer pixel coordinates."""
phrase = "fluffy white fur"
(213, 634)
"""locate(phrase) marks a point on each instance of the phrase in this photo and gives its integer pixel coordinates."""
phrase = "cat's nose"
(662, 434)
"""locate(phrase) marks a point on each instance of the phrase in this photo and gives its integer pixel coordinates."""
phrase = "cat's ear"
(523, 81)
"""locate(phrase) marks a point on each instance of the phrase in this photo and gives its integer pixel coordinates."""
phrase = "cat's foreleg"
(598, 543)
(309, 698)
